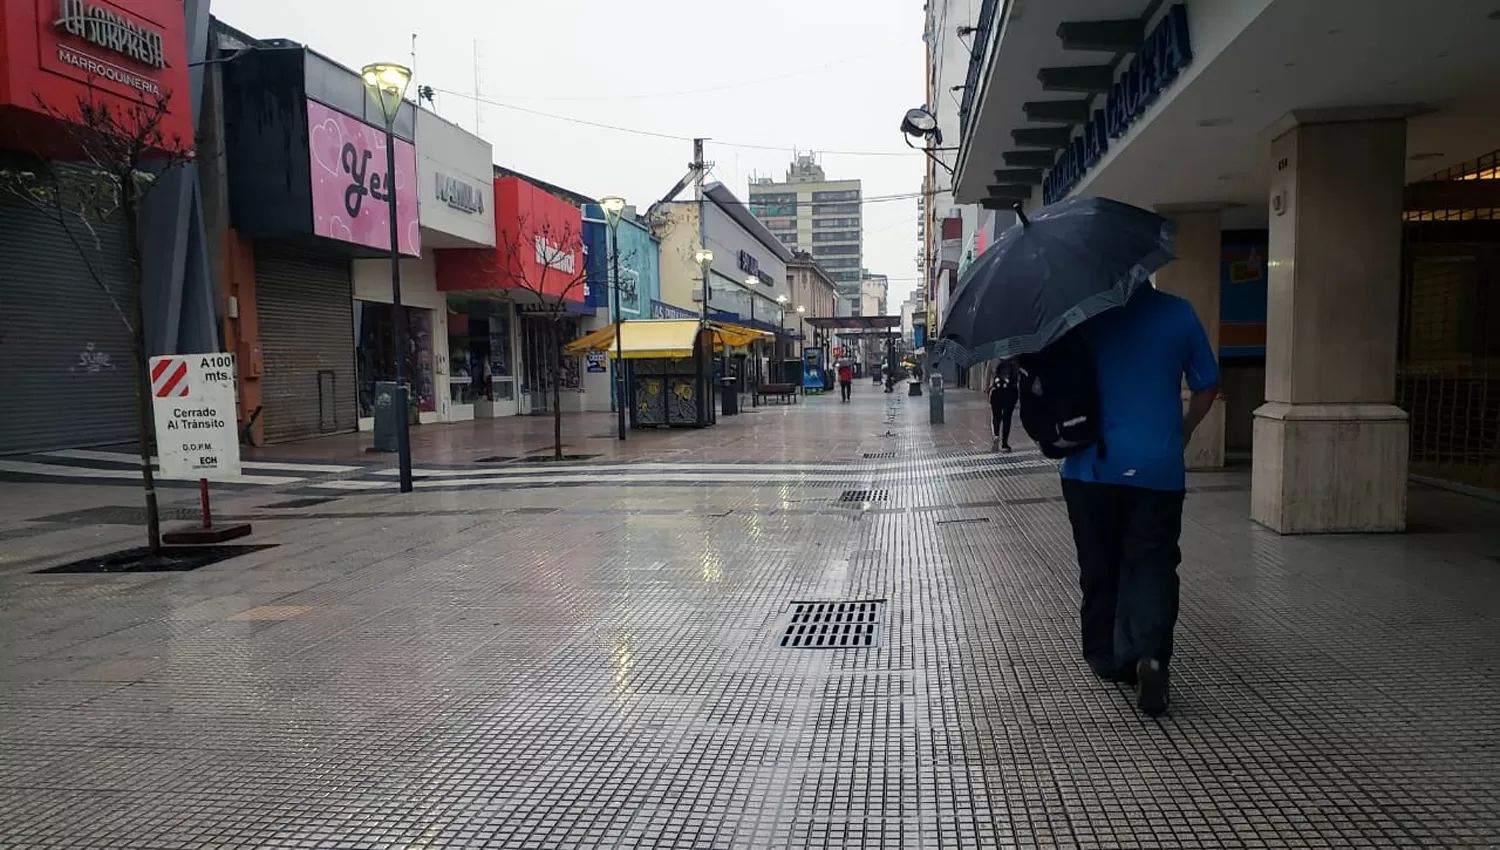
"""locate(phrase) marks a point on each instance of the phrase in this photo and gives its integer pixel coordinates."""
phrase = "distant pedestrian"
(846, 382)
(1004, 392)
(1125, 491)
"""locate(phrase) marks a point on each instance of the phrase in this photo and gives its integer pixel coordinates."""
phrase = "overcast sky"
(819, 75)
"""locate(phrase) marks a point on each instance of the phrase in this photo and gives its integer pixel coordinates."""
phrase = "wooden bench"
(784, 392)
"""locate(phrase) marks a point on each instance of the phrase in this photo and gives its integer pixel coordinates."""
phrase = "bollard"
(935, 400)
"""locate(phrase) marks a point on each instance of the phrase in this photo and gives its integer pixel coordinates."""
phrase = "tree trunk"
(145, 424)
(554, 340)
(557, 445)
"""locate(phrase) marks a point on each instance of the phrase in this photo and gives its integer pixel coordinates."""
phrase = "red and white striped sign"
(169, 377)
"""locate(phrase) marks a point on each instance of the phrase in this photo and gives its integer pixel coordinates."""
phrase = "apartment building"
(822, 217)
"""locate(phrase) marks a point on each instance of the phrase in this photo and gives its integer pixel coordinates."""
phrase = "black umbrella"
(1046, 275)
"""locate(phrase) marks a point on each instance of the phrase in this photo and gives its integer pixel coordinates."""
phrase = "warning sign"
(193, 399)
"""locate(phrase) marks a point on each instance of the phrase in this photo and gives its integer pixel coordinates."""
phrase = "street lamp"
(781, 300)
(613, 206)
(387, 83)
(705, 259)
(802, 325)
(751, 281)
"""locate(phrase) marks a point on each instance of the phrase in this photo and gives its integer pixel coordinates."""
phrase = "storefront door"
(540, 339)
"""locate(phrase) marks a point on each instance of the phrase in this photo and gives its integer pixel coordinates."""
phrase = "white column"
(1330, 446)
(1194, 276)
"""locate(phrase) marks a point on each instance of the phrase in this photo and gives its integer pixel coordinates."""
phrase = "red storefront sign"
(124, 54)
(539, 246)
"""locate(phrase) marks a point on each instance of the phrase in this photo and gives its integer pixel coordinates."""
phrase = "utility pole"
(699, 170)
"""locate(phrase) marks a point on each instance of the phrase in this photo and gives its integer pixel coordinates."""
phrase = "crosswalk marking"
(763, 469)
(273, 466)
(53, 470)
(481, 478)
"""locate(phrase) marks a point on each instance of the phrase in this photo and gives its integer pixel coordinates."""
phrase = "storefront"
(521, 301)
(319, 346)
(639, 287)
(67, 359)
(1330, 168)
(456, 204)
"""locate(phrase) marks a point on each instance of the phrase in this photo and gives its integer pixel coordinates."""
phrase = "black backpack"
(1060, 398)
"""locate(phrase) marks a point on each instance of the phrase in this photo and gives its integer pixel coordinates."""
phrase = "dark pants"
(1000, 414)
(846, 389)
(1127, 569)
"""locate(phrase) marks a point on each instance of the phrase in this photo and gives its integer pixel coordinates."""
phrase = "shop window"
(375, 353)
(483, 368)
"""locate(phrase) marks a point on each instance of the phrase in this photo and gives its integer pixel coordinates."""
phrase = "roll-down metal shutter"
(67, 377)
(305, 302)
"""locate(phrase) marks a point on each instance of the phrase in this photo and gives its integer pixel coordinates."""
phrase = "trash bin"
(935, 400)
(729, 389)
(390, 410)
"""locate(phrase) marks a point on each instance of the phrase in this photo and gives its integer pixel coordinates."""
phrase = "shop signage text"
(193, 404)
(748, 263)
(663, 310)
(347, 167)
(462, 196)
(553, 256)
(99, 27)
(1164, 55)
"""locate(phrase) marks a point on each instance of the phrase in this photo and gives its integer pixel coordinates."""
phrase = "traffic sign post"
(193, 402)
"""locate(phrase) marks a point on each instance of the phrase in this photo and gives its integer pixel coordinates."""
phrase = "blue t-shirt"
(1142, 351)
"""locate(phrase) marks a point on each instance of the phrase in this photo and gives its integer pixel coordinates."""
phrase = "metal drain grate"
(833, 625)
(875, 455)
(864, 495)
(495, 459)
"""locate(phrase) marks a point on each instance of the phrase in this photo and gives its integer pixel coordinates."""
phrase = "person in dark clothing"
(1126, 506)
(1005, 390)
(846, 382)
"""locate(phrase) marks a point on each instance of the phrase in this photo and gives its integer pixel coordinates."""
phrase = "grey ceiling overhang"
(1018, 175)
(1052, 138)
(1083, 79)
(1069, 112)
(1125, 36)
(1029, 159)
(1027, 168)
(1013, 191)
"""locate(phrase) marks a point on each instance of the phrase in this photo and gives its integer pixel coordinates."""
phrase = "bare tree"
(122, 149)
(547, 261)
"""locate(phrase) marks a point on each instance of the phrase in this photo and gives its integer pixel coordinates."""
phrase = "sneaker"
(1151, 683)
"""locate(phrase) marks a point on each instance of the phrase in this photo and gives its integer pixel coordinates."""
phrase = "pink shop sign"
(349, 185)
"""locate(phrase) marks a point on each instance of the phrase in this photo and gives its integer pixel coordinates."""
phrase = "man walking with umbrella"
(1106, 355)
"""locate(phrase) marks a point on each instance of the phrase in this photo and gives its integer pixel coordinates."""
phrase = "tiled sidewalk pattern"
(599, 666)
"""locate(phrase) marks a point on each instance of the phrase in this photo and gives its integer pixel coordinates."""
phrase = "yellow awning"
(591, 341)
(736, 336)
(670, 339)
(642, 339)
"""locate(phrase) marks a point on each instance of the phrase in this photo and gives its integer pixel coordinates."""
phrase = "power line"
(724, 87)
(653, 134)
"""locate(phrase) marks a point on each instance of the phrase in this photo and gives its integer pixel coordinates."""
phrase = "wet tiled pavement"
(600, 664)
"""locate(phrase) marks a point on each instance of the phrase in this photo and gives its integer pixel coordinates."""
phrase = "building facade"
(456, 209)
(511, 306)
(743, 249)
(873, 291)
(814, 294)
(67, 354)
(289, 245)
(1317, 151)
(810, 213)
